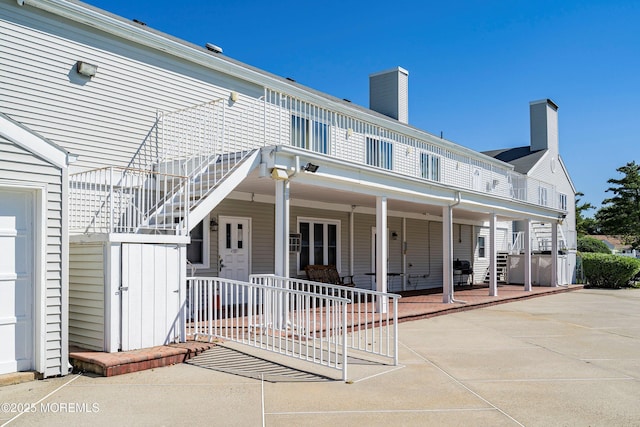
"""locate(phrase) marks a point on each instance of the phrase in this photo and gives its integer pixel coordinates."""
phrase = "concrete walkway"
(569, 359)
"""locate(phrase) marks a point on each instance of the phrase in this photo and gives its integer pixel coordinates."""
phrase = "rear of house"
(189, 158)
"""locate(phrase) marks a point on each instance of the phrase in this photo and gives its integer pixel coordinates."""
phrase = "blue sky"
(473, 65)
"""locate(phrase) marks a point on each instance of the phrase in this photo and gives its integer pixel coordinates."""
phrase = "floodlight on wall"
(279, 174)
(310, 167)
(86, 69)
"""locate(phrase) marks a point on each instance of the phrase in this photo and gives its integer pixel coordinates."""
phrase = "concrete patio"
(570, 359)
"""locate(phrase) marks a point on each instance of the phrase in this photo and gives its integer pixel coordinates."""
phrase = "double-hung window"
(309, 134)
(429, 166)
(319, 242)
(379, 153)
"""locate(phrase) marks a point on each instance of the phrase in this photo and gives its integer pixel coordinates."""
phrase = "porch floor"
(413, 305)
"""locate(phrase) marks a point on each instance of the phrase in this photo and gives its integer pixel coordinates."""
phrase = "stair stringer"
(223, 189)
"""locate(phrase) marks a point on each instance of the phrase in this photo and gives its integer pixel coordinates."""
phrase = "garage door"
(16, 280)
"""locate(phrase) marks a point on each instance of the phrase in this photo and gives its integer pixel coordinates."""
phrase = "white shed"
(33, 252)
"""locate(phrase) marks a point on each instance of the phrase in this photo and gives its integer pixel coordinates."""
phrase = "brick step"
(110, 364)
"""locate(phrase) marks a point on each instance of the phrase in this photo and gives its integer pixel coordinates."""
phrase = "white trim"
(35, 144)
(39, 292)
(129, 238)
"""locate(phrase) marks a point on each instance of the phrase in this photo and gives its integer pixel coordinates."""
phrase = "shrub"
(609, 271)
(591, 244)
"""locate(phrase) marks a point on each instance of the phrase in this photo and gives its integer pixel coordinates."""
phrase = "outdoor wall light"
(213, 225)
(310, 167)
(233, 96)
(394, 235)
(86, 69)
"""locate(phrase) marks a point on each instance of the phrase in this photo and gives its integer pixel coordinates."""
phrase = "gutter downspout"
(451, 289)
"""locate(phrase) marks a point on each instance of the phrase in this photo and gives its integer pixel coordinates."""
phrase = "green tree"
(583, 225)
(591, 244)
(620, 214)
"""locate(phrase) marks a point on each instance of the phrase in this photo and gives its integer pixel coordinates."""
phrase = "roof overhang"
(356, 186)
(24, 137)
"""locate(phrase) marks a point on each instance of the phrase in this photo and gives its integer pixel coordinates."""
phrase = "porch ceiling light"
(86, 69)
(279, 174)
(310, 167)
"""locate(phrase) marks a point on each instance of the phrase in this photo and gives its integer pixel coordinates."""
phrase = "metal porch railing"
(119, 200)
(298, 324)
(372, 317)
(315, 322)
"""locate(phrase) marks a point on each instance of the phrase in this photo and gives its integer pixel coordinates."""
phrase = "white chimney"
(389, 93)
(543, 116)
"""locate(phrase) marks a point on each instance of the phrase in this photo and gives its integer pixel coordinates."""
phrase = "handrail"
(295, 323)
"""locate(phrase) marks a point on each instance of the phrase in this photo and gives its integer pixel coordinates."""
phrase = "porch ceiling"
(317, 195)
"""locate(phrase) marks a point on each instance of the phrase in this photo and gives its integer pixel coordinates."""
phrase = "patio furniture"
(327, 274)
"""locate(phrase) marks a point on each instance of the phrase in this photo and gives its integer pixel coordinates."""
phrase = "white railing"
(372, 317)
(517, 242)
(118, 200)
(207, 141)
(298, 324)
(311, 321)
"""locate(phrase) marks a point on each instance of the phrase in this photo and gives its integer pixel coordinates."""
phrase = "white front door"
(234, 248)
(17, 253)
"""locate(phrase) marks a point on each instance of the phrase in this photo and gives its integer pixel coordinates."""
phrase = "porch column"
(381, 251)
(554, 254)
(281, 267)
(493, 259)
(447, 254)
(527, 256)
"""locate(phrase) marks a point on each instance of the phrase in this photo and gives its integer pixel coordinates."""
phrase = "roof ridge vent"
(213, 48)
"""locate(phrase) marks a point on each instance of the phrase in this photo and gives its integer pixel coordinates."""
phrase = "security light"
(86, 69)
(310, 167)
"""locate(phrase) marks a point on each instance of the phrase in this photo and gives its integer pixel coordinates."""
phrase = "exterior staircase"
(502, 263)
(208, 186)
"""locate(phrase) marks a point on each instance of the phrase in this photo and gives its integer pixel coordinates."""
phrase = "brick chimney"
(389, 93)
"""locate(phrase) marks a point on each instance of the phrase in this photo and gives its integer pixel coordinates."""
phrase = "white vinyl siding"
(103, 119)
(17, 164)
(86, 296)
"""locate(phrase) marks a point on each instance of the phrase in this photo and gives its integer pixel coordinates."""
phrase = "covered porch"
(429, 225)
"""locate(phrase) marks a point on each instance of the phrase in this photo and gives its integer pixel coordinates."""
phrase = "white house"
(186, 156)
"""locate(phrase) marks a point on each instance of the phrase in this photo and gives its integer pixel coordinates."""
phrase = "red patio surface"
(416, 305)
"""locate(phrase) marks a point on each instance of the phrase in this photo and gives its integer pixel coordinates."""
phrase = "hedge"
(609, 271)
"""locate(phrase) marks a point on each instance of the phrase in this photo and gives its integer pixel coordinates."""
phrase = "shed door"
(150, 299)
(16, 280)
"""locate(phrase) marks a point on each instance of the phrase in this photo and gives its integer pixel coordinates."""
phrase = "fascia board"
(20, 135)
